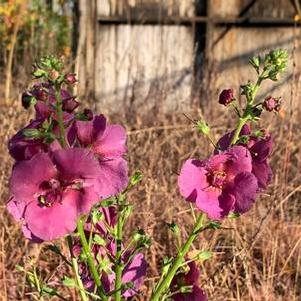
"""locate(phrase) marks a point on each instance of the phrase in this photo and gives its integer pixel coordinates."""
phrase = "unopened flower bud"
(70, 104)
(226, 97)
(70, 78)
(88, 114)
(39, 94)
(27, 100)
(54, 75)
(271, 104)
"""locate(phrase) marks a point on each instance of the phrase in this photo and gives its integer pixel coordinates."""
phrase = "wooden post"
(85, 57)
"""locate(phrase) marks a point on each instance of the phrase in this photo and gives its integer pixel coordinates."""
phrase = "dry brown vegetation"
(256, 257)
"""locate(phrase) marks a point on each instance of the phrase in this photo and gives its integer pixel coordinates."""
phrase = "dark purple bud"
(88, 114)
(70, 78)
(39, 94)
(70, 104)
(269, 104)
(27, 99)
(226, 97)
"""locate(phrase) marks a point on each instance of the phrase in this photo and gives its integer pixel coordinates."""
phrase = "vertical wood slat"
(85, 61)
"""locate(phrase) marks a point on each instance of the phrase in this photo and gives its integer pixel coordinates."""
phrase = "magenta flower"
(22, 148)
(260, 149)
(107, 142)
(220, 184)
(49, 192)
(189, 279)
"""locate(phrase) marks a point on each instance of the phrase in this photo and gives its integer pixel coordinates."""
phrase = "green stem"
(165, 283)
(60, 118)
(90, 260)
(241, 123)
(118, 258)
(75, 271)
(246, 114)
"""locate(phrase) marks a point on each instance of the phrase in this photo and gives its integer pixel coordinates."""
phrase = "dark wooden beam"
(239, 22)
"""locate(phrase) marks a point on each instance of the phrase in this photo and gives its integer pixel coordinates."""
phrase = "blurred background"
(145, 63)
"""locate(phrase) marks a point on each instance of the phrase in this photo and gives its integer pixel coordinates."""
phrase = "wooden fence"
(148, 51)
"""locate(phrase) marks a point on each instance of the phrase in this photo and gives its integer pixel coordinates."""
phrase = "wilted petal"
(262, 172)
(16, 209)
(262, 149)
(134, 272)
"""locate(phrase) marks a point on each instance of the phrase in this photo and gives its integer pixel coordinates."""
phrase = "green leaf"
(203, 127)
(97, 239)
(136, 178)
(32, 133)
(69, 282)
(39, 73)
(233, 215)
(204, 255)
(48, 290)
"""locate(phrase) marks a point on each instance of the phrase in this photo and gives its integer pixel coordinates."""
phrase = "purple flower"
(271, 104)
(45, 109)
(108, 144)
(226, 97)
(70, 78)
(22, 148)
(220, 184)
(260, 149)
(49, 191)
(189, 279)
(135, 266)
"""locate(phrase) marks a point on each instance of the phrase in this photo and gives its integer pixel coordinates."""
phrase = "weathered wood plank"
(133, 62)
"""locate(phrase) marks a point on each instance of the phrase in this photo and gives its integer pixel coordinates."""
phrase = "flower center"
(216, 178)
(53, 189)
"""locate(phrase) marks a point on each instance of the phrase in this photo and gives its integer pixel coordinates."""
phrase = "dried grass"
(256, 257)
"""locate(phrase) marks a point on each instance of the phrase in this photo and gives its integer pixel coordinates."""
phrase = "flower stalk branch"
(90, 260)
(166, 281)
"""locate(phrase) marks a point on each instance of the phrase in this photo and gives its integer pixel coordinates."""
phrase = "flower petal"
(192, 179)
(240, 161)
(244, 189)
(262, 172)
(112, 177)
(28, 175)
(112, 142)
(134, 272)
(48, 223)
(76, 163)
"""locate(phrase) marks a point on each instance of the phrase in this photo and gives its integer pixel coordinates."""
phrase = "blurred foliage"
(41, 26)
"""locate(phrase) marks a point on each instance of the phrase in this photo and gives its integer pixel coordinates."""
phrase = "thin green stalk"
(75, 271)
(246, 115)
(90, 260)
(118, 258)
(60, 118)
(165, 283)
(241, 123)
